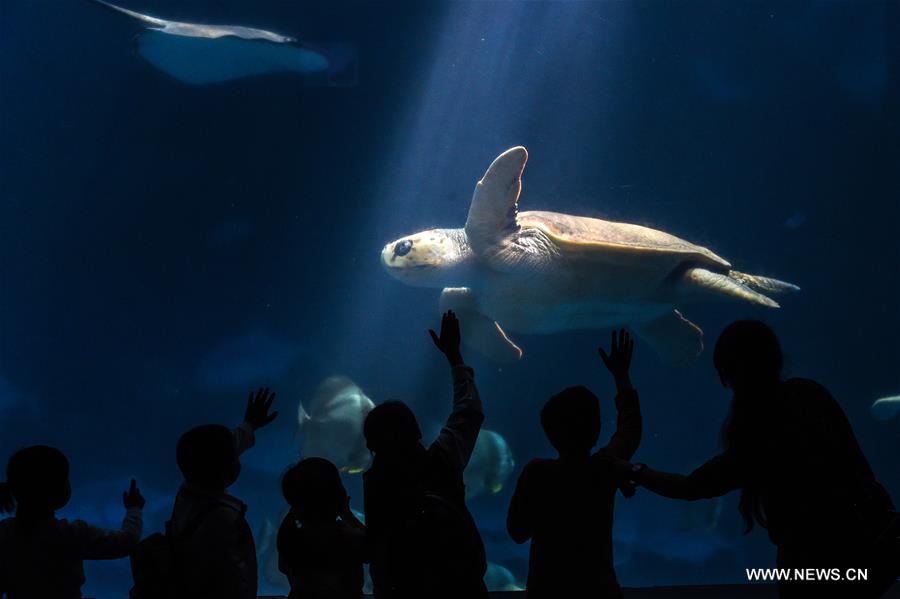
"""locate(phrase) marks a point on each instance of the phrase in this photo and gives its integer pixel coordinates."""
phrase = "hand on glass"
(448, 340)
(257, 414)
(618, 360)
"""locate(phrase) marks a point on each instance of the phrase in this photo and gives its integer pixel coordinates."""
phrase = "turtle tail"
(762, 284)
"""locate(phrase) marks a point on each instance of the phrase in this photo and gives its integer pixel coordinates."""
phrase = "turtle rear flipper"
(762, 284)
(725, 285)
(477, 330)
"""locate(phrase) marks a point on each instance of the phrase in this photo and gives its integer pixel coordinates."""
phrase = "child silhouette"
(565, 505)
(321, 543)
(40, 555)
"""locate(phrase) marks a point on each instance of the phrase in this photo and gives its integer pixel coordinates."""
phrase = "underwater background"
(166, 247)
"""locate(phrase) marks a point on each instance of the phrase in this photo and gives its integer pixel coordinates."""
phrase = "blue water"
(165, 247)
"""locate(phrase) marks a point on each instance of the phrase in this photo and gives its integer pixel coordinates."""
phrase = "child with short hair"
(40, 555)
(216, 555)
(321, 543)
(565, 505)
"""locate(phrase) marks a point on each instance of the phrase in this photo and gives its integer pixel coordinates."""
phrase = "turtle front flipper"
(477, 330)
(677, 340)
(492, 214)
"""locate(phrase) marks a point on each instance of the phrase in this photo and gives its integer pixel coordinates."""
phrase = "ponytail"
(7, 501)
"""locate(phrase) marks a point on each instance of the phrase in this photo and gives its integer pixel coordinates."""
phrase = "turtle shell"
(585, 237)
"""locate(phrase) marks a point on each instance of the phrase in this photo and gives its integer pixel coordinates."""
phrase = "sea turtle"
(544, 272)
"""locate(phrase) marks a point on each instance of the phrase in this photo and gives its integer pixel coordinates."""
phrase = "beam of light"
(501, 74)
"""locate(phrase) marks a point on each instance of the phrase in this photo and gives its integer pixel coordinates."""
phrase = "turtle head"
(432, 258)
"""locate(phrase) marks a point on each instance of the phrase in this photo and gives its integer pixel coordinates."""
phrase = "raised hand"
(132, 497)
(448, 341)
(618, 360)
(257, 414)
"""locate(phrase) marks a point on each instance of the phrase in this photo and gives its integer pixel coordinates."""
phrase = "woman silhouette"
(790, 450)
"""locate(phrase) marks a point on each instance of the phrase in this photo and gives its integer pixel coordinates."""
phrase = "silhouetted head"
(314, 490)
(571, 420)
(748, 359)
(207, 456)
(391, 428)
(748, 355)
(37, 482)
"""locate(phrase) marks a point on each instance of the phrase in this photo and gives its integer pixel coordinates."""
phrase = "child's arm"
(460, 433)
(285, 544)
(716, 477)
(256, 416)
(360, 547)
(519, 518)
(350, 519)
(627, 436)
(98, 543)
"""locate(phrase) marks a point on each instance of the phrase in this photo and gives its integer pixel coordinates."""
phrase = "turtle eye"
(401, 248)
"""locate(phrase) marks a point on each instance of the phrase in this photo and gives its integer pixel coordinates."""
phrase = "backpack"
(437, 543)
(154, 563)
